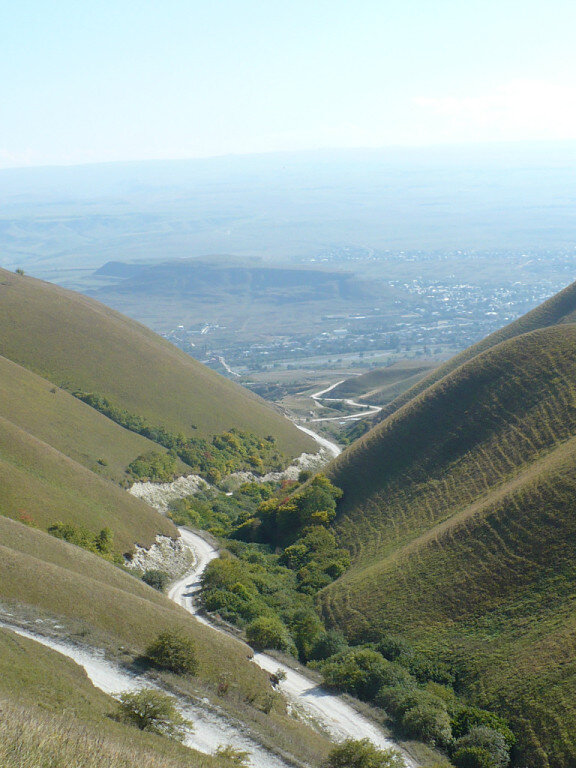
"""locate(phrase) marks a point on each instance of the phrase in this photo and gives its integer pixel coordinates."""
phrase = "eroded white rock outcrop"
(166, 554)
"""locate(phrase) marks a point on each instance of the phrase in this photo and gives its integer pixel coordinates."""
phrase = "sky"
(149, 79)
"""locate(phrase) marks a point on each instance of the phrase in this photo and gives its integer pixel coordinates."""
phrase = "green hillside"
(79, 344)
(458, 510)
(42, 486)
(559, 309)
(36, 683)
(50, 583)
(67, 424)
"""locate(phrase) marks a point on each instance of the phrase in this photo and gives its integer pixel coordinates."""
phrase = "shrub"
(268, 632)
(154, 711)
(471, 717)
(428, 724)
(157, 579)
(363, 754)
(305, 626)
(488, 739)
(328, 644)
(362, 672)
(173, 651)
(473, 757)
(393, 647)
(155, 466)
(398, 700)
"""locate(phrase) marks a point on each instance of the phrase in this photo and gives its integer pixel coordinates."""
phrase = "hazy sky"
(123, 80)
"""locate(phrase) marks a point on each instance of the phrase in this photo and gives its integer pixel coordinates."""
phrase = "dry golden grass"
(30, 738)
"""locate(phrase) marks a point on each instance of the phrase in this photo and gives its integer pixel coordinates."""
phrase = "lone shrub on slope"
(363, 754)
(173, 651)
(153, 711)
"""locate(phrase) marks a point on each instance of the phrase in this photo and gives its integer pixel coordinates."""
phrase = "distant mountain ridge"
(211, 279)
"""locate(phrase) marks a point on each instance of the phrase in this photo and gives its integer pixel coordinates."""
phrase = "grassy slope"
(41, 681)
(459, 512)
(107, 607)
(560, 308)
(76, 342)
(67, 424)
(39, 482)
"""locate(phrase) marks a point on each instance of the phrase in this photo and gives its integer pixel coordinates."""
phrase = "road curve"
(365, 409)
(340, 719)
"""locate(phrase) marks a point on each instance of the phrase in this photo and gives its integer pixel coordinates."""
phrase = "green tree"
(487, 739)
(471, 717)
(104, 541)
(428, 724)
(362, 672)
(328, 644)
(173, 651)
(268, 632)
(473, 757)
(363, 754)
(151, 710)
(19, 271)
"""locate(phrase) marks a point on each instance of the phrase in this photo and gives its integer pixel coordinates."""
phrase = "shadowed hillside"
(79, 344)
(458, 510)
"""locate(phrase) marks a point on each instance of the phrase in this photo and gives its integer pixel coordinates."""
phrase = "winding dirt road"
(364, 409)
(210, 728)
(315, 703)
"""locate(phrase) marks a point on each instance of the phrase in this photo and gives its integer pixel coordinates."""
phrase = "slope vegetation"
(79, 344)
(35, 683)
(458, 510)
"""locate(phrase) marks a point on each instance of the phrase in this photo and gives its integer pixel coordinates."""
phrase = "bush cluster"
(101, 543)
(174, 652)
(475, 738)
(259, 580)
(156, 578)
(217, 513)
(279, 521)
(227, 452)
(155, 467)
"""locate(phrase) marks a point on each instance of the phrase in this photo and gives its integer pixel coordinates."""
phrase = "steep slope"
(58, 587)
(458, 510)
(559, 309)
(77, 343)
(35, 682)
(67, 424)
(42, 486)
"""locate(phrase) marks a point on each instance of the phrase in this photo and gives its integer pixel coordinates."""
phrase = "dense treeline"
(228, 452)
